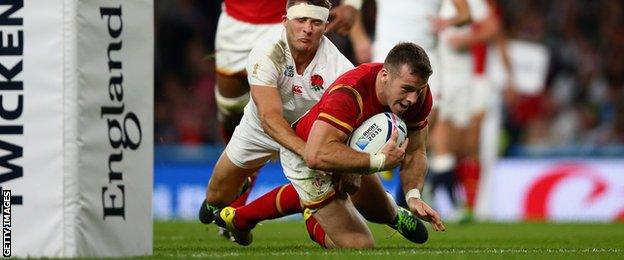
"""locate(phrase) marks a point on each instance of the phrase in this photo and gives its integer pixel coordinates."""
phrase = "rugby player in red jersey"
(329, 167)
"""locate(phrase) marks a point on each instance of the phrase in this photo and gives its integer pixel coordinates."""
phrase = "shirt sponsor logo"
(289, 71)
(297, 90)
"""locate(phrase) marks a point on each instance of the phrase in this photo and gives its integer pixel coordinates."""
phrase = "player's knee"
(356, 241)
(231, 106)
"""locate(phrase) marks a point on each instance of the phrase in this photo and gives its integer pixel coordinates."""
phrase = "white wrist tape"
(377, 162)
(357, 4)
(413, 193)
(305, 10)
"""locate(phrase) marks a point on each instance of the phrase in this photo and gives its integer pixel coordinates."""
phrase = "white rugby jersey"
(404, 21)
(271, 64)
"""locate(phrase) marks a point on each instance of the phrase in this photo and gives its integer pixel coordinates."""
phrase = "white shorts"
(314, 187)
(462, 95)
(250, 147)
(235, 39)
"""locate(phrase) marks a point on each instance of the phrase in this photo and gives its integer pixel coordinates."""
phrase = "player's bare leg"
(469, 173)
(372, 202)
(232, 94)
(376, 205)
(224, 186)
(343, 225)
(443, 161)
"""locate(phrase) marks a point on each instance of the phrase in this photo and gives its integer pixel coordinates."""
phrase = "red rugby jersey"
(257, 11)
(351, 99)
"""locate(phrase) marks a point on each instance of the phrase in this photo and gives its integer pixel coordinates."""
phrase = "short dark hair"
(321, 3)
(411, 55)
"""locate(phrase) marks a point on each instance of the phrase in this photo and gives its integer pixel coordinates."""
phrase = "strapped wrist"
(377, 162)
(413, 193)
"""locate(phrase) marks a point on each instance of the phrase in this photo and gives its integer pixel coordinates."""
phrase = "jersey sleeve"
(341, 108)
(260, 69)
(417, 118)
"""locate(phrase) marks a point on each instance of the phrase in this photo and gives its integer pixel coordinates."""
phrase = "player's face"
(304, 34)
(402, 90)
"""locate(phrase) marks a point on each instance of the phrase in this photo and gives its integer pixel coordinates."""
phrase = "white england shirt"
(404, 21)
(271, 64)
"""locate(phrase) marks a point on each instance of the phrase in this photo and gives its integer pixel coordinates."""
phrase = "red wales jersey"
(256, 12)
(351, 99)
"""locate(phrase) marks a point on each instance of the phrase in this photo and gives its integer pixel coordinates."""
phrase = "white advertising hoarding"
(76, 127)
(556, 190)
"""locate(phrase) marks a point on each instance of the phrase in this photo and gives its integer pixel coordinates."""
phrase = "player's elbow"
(314, 160)
(265, 120)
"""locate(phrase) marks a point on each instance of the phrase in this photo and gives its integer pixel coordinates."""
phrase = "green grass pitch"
(289, 240)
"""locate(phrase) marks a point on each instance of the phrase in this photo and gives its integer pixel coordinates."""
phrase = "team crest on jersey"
(289, 71)
(255, 70)
(318, 182)
(297, 90)
(317, 82)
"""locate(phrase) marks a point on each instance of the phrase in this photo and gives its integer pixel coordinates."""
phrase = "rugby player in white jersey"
(242, 24)
(288, 72)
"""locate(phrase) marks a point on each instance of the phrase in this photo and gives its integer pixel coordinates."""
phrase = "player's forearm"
(414, 171)
(357, 33)
(463, 13)
(279, 129)
(337, 157)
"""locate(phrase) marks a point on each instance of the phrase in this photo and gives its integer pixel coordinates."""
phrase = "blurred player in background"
(332, 219)
(467, 95)
(477, 153)
(419, 23)
(288, 72)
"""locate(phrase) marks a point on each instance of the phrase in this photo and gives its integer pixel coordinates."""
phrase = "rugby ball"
(373, 133)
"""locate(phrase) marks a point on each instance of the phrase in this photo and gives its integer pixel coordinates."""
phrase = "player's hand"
(394, 154)
(341, 19)
(347, 183)
(459, 42)
(426, 213)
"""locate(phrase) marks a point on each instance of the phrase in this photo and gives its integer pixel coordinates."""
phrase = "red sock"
(316, 232)
(470, 180)
(278, 202)
(242, 199)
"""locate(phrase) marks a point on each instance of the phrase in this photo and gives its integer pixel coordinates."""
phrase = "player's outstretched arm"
(269, 104)
(413, 172)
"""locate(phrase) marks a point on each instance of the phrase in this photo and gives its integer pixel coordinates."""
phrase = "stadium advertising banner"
(31, 127)
(556, 190)
(115, 127)
(76, 127)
